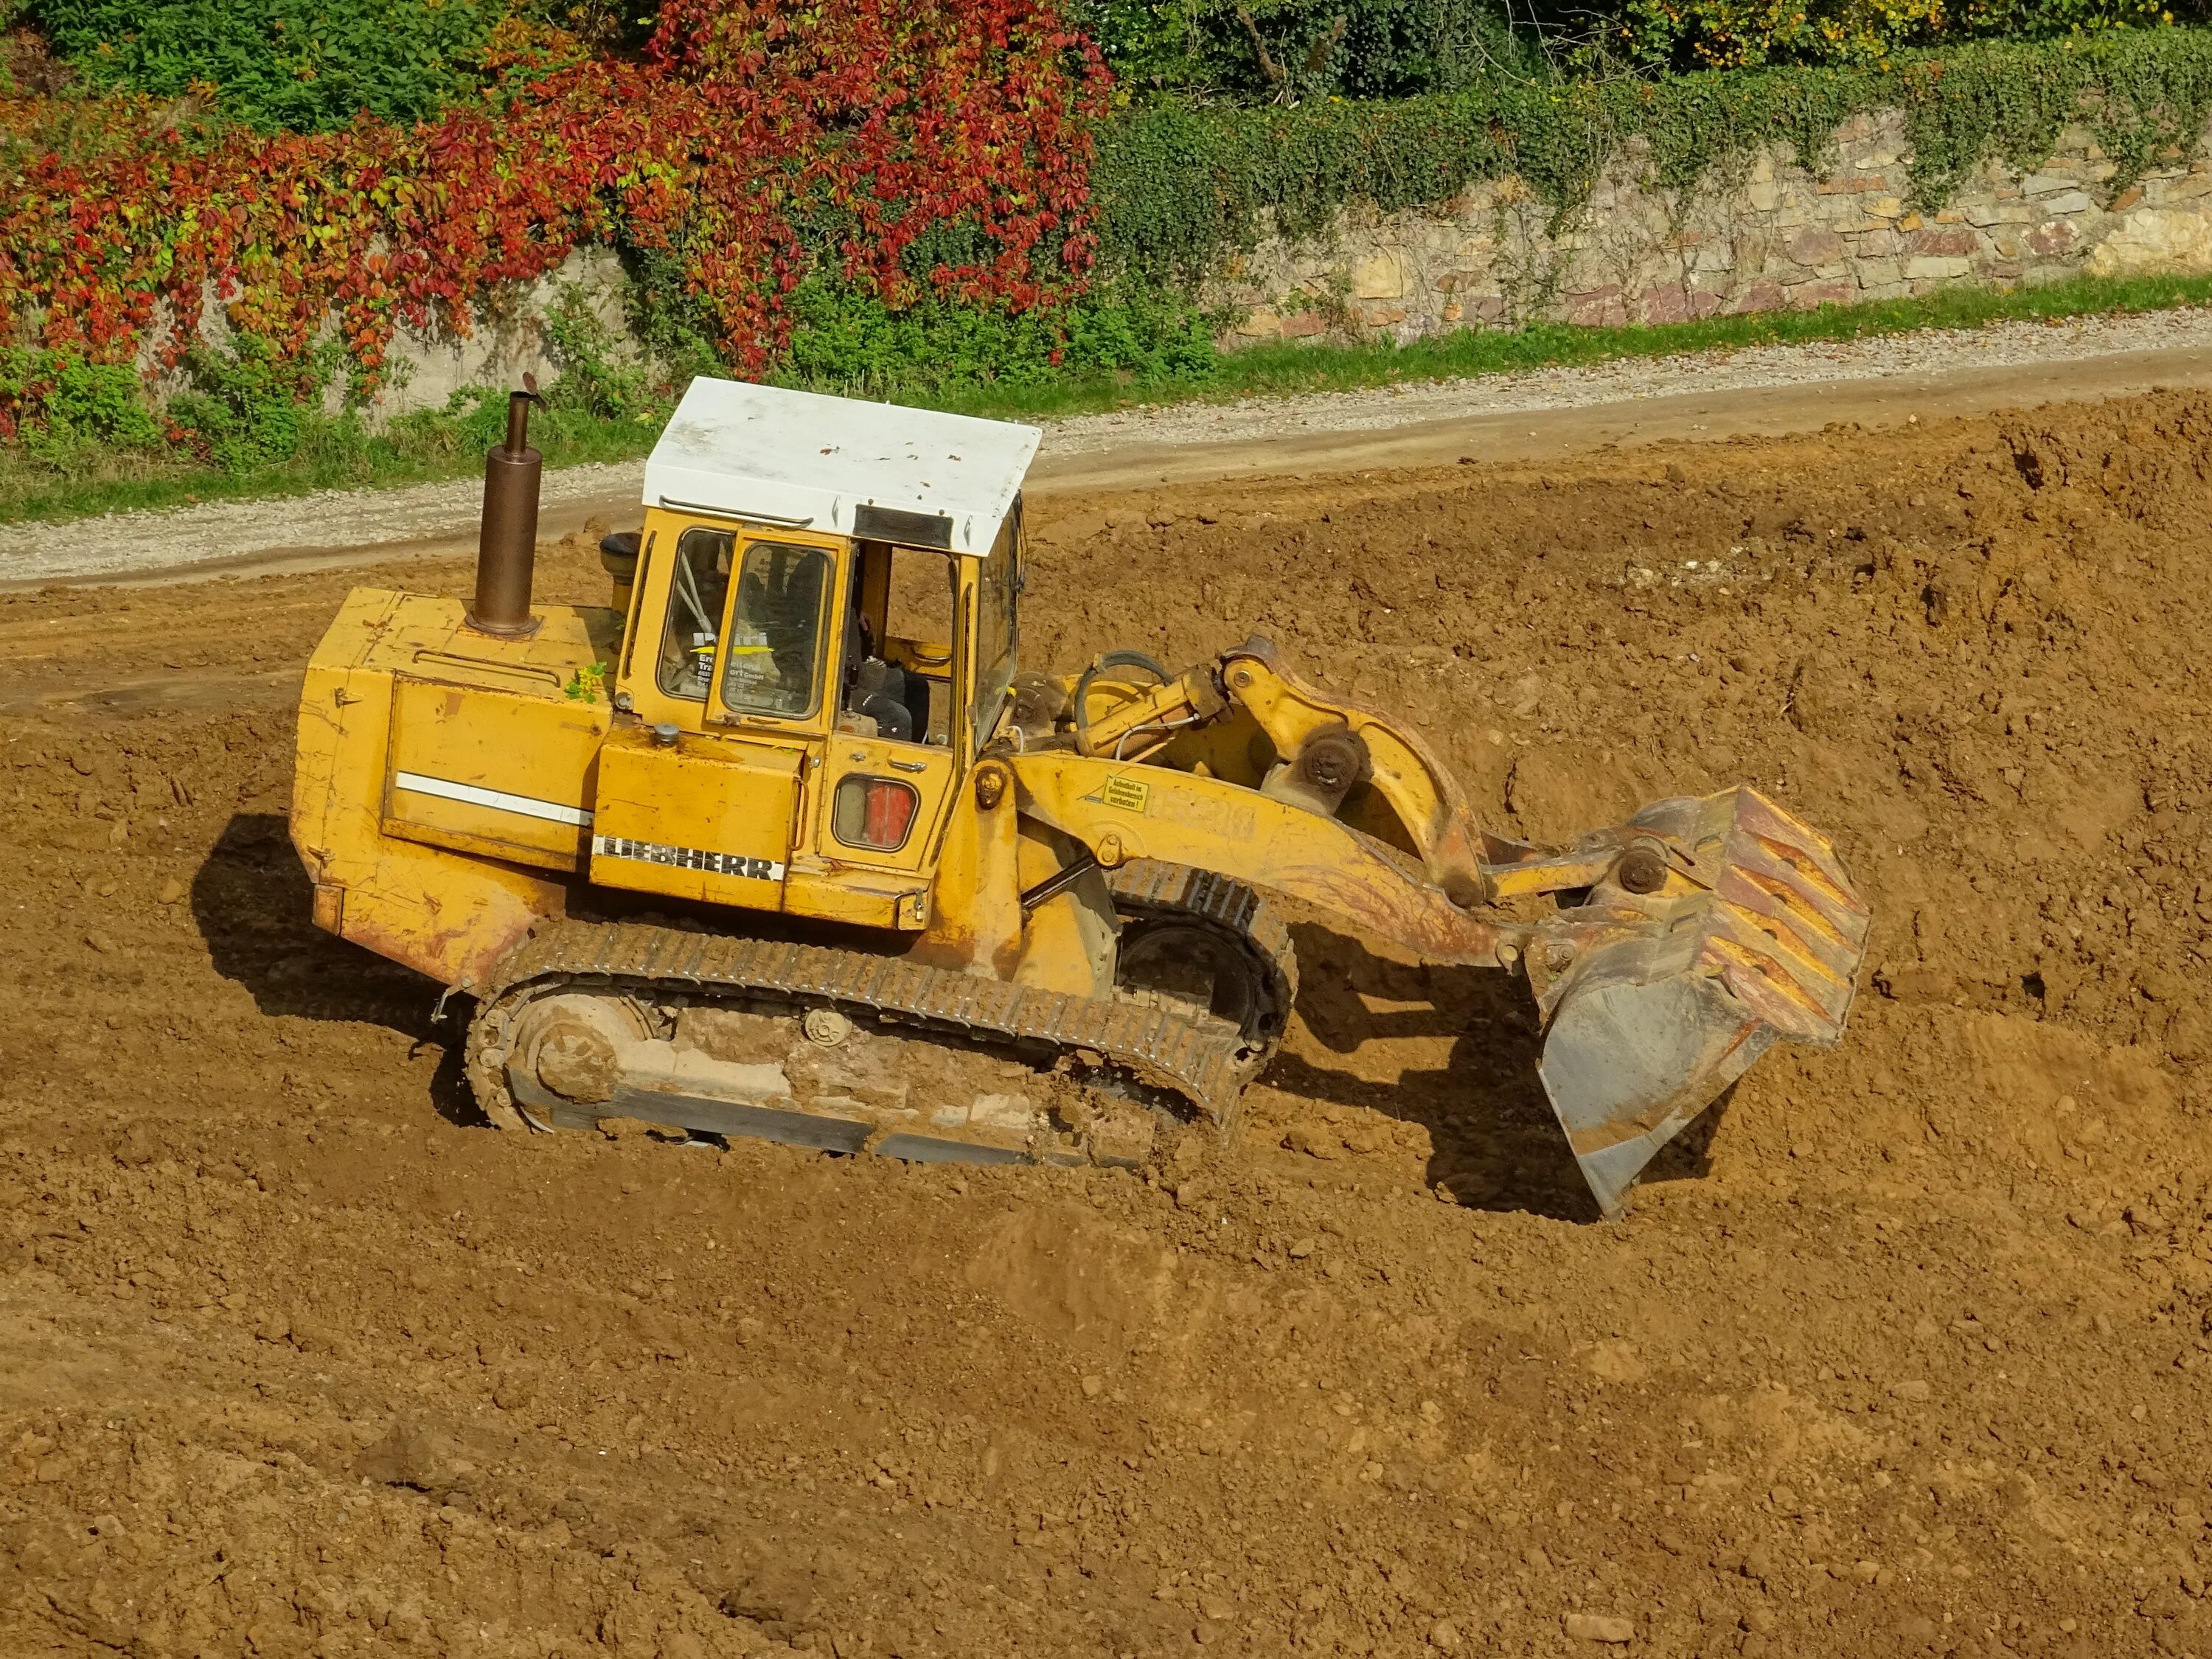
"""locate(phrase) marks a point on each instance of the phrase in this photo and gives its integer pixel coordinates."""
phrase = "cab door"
(882, 802)
(892, 763)
(705, 797)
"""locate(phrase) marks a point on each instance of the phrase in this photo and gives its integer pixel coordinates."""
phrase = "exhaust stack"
(507, 543)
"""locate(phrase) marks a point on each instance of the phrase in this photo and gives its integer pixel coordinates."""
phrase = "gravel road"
(1192, 441)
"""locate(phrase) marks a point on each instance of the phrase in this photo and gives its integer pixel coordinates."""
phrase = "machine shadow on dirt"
(252, 903)
(1495, 1143)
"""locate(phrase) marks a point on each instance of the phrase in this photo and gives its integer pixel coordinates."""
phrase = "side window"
(772, 660)
(697, 589)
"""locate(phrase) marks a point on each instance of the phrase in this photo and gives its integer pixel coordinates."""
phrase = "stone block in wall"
(1260, 324)
(1761, 296)
(1884, 207)
(1303, 324)
(2052, 237)
(1814, 246)
(1676, 303)
(2069, 201)
(1381, 276)
(1931, 268)
(2051, 181)
(1803, 296)
(1947, 239)
(2155, 239)
(1873, 291)
(1880, 273)
(1597, 307)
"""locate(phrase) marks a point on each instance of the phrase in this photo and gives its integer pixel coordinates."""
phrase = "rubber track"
(1156, 1047)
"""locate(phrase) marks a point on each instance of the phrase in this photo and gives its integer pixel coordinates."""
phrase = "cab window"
(698, 589)
(772, 660)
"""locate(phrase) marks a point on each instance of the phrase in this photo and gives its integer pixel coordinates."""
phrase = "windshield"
(771, 662)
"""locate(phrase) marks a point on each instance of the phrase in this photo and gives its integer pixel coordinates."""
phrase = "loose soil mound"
(1901, 1352)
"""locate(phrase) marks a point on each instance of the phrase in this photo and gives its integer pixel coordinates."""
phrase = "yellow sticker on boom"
(1125, 794)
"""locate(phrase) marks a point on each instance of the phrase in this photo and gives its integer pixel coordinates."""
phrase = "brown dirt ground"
(1903, 1354)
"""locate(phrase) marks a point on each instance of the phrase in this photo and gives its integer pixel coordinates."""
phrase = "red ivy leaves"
(749, 124)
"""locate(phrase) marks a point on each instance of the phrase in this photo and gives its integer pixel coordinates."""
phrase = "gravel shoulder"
(1764, 390)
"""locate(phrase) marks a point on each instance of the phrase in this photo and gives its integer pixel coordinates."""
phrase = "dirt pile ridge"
(1902, 1353)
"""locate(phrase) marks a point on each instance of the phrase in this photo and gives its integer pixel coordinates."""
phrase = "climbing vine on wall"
(906, 147)
(878, 173)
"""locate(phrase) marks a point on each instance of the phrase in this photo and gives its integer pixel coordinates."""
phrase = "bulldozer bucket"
(1652, 1007)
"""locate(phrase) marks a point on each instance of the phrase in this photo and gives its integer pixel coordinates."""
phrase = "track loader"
(783, 842)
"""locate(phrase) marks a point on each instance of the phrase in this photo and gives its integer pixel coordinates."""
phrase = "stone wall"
(505, 340)
(1782, 238)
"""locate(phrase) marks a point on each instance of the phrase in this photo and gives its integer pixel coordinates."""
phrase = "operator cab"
(823, 596)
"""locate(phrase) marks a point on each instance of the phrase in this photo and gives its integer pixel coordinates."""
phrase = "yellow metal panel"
(706, 818)
(1123, 811)
(494, 772)
(832, 892)
(449, 918)
(426, 636)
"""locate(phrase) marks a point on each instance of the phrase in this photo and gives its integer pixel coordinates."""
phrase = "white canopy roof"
(876, 471)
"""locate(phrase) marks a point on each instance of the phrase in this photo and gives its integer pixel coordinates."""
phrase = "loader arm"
(1684, 942)
(1122, 810)
(1454, 851)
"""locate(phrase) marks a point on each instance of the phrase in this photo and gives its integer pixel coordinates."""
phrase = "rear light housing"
(876, 813)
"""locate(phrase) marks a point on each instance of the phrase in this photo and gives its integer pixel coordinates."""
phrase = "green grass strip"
(1285, 370)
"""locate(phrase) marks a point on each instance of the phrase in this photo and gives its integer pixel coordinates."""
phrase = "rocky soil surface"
(1902, 1353)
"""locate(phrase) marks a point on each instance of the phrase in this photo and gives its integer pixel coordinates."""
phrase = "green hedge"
(299, 65)
(1178, 189)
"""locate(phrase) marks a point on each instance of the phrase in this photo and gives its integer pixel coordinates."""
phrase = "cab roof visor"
(871, 523)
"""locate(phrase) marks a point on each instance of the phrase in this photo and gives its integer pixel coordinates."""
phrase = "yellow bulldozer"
(783, 842)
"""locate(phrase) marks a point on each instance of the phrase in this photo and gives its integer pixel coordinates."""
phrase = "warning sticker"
(1125, 794)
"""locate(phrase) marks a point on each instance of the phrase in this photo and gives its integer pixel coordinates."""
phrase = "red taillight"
(877, 813)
